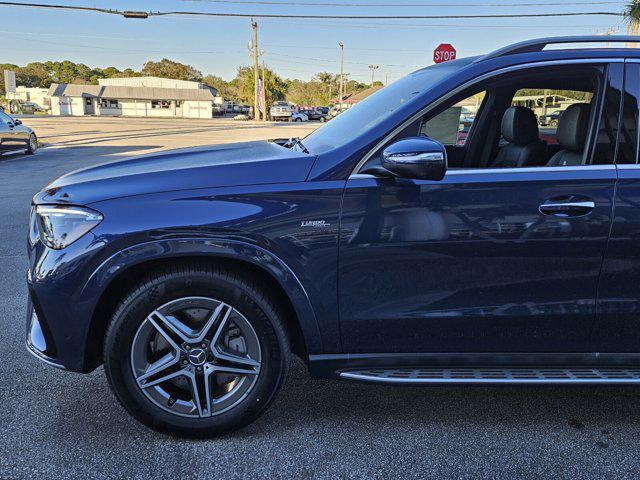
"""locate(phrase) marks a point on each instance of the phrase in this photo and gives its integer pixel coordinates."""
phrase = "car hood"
(249, 163)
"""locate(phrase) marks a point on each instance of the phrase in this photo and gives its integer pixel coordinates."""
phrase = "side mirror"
(17, 121)
(416, 157)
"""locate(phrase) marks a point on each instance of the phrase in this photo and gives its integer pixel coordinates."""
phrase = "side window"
(452, 126)
(548, 106)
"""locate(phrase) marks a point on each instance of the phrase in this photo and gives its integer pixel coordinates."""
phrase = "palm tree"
(632, 17)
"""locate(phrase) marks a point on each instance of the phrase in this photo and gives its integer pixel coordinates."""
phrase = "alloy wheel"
(196, 357)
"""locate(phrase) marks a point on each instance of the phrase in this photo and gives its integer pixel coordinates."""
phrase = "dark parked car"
(370, 249)
(315, 115)
(16, 136)
(551, 119)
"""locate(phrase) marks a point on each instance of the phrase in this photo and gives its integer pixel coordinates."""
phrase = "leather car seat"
(520, 128)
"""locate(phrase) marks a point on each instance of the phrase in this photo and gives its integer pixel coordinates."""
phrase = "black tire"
(194, 280)
(298, 119)
(32, 146)
(322, 119)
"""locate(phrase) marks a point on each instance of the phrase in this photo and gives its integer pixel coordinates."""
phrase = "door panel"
(5, 136)
(10, 139)
(470, 264)
(618, 326)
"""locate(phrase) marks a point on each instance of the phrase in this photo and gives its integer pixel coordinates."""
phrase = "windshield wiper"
(293, 141)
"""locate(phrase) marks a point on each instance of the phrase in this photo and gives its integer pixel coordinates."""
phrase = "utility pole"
(264, 90)
(256, 112)
(373, 68)
(341, 45)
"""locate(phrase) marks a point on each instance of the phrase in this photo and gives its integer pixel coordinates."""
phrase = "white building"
(39, 96)
(135, 97)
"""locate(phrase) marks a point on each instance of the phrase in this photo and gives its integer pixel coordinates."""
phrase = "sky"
(294, 48)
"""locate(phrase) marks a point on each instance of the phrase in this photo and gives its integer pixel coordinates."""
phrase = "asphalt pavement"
(55, 424)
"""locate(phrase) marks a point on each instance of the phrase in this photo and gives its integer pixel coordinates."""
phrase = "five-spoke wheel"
(195, 356)
(195, 351)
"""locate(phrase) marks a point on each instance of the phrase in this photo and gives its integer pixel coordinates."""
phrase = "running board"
(423, 376)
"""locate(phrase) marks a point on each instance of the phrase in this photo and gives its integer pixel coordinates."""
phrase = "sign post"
(443, 53)
(9, 86)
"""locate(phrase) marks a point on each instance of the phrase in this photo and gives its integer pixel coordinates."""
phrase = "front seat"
(520, 128)
(572, 135)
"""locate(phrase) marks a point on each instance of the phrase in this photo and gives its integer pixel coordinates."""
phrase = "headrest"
(519, 126)
(573, 126)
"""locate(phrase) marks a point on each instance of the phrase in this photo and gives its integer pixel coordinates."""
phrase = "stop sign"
(444, 53)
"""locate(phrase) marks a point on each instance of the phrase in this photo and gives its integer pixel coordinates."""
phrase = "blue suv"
(434, 233)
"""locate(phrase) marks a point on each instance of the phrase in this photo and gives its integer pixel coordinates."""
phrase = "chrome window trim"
(628, 166)
(469, 84)
(478, 171)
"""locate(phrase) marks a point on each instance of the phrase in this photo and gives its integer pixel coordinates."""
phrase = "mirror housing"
(420, 158)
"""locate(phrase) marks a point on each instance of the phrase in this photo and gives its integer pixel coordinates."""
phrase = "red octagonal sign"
(444, 53)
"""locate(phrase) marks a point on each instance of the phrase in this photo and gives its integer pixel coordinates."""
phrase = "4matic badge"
(315, 223)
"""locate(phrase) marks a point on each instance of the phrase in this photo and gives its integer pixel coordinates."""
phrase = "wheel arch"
(123, 271)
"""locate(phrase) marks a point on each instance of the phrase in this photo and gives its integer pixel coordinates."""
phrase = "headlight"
(61, 225)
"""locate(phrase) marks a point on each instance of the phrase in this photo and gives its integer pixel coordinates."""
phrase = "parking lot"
(56, 424)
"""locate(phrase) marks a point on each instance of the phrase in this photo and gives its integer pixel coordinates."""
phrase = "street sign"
(9, 81)
(443, 53)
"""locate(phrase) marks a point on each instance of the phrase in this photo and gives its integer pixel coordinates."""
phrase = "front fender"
(226, 248)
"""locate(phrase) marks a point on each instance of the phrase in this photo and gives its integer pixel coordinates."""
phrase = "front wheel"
(32, 146)
(196, 352)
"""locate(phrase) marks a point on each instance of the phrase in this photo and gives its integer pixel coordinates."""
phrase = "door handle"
(567, 209)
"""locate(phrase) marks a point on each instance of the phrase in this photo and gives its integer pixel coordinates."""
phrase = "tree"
(275, 87)
(169, 69)
(311, 93)
(225, 89)
(632, 17)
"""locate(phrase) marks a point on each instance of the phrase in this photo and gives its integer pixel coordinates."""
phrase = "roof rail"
(538, 44)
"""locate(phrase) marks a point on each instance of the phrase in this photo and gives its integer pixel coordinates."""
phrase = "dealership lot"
(56, 424)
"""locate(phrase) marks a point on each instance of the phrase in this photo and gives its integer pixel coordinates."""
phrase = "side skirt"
(479, 367)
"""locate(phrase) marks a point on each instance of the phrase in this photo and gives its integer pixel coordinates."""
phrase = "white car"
(299, 117)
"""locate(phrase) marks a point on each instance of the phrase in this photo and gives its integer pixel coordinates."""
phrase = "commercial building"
(135, 97)
(36, 96)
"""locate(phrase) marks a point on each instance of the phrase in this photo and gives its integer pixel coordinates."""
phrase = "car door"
(6, 134)
(482, 261)
(11, 139)
(618, 322)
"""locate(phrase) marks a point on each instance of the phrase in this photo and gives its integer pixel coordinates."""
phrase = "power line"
(280, 15)
(318, 4)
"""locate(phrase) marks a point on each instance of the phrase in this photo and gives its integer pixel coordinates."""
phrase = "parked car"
(281, 111)
(370, 249)
(316, 115)
(16, 136)
(299, 117)
(550, 119)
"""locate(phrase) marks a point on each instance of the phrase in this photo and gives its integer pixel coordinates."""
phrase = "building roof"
(130, 93)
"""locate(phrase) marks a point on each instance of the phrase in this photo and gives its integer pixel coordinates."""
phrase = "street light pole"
(373, 69)
(341, 45)
(256, 112)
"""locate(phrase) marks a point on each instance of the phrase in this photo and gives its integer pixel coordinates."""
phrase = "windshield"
(377, 107)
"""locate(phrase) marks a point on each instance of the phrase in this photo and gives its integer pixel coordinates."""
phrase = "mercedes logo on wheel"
(197, 356)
